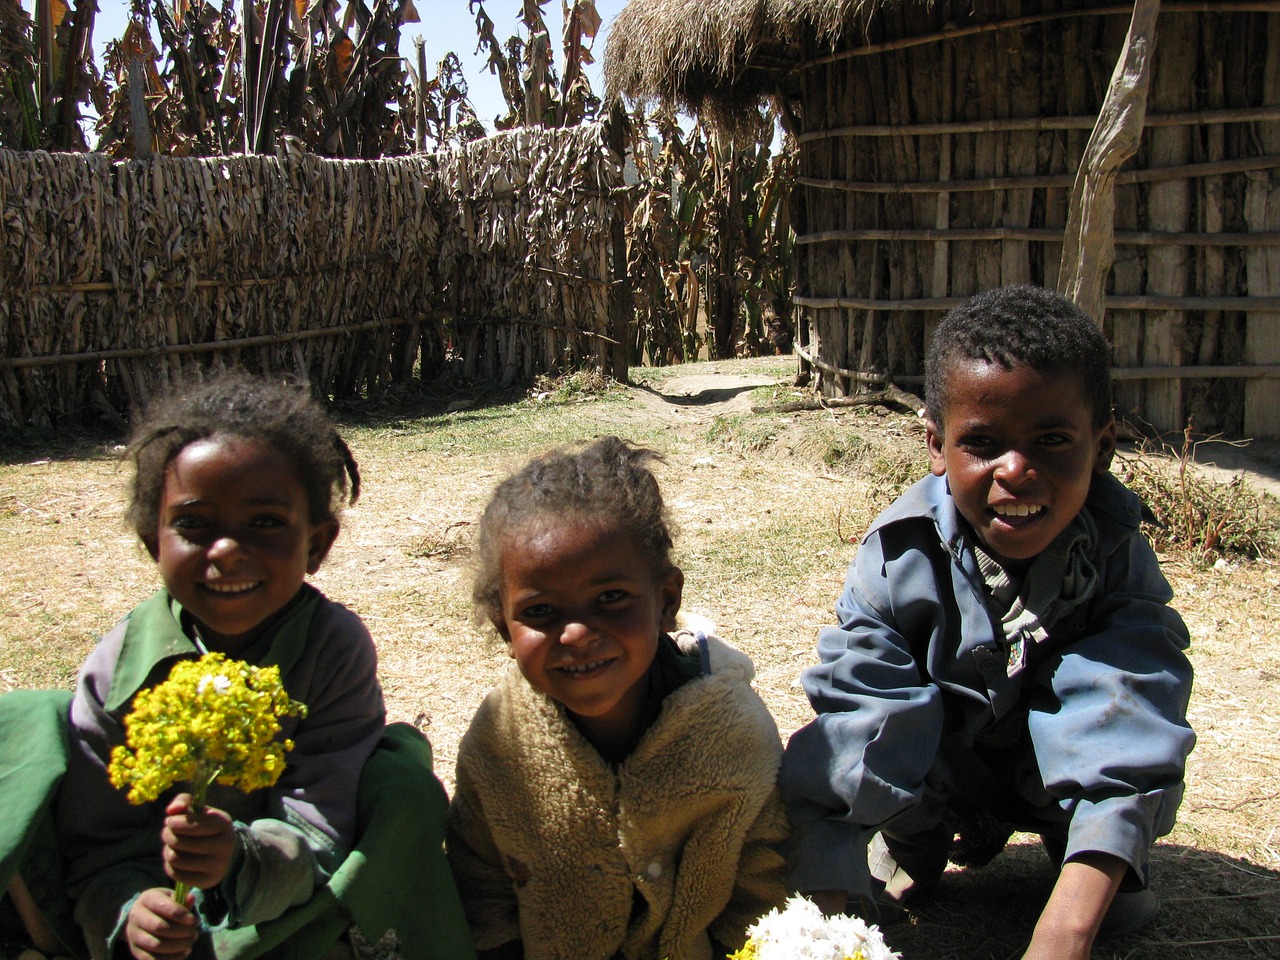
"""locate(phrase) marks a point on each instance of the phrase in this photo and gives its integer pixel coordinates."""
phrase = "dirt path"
(700, 398)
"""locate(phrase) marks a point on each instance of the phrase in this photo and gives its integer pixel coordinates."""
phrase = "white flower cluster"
(219, 683)
(801, 932)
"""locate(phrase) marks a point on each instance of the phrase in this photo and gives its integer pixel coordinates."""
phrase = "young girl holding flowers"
(616, 791)
(236, 496)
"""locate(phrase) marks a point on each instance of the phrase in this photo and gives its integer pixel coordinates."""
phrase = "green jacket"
(395, 880)
(34, 739)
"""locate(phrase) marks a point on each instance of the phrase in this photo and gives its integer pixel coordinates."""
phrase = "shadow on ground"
(701, 397)
(1212, 906)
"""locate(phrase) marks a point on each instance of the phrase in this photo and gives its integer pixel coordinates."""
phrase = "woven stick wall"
(937, 158)
(116, 278)
(525, 253)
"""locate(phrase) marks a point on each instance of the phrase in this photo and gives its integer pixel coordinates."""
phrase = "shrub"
(1196, 514)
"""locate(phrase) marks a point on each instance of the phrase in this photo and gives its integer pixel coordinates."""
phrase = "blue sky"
(446, 25)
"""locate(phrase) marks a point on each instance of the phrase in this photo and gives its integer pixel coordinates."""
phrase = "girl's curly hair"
(608, 482)
(278, 412)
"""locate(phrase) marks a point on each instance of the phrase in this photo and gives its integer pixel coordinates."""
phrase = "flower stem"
(199, 790)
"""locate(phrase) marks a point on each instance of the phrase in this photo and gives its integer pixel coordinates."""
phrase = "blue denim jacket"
(914, 679)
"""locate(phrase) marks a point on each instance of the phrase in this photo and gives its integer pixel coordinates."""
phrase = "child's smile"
(582, 612)
(235, 539)
(1019, 450)
(586, 669)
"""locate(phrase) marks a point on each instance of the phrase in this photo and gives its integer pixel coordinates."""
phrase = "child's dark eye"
(536, 612)
(613, 596)
(269, 522)
(1054, 439)
(189, 523)
(975, 442)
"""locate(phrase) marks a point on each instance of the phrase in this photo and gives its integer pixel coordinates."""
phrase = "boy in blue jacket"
(1006, 657)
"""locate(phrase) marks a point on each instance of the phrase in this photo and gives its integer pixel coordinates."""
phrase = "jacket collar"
(931, 498)
(154, 633)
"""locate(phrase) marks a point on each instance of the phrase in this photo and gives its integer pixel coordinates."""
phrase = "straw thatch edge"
(722, 61)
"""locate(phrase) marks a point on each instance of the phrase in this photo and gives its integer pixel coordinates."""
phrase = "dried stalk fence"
(117, 278)
(936, 159)
(526, 261)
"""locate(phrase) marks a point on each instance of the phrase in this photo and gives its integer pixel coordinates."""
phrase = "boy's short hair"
(1020, 324)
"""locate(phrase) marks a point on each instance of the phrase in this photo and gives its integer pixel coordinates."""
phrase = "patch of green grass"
(776, 394)
(775, 555)
(891, 471)
(500, 429)
(779, 367)
(837, 447)
(650, 376)
(887, 468)
(888, 462)
(742, 433)
(548, 413)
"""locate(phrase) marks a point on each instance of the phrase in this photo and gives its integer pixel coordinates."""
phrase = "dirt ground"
(70, 571)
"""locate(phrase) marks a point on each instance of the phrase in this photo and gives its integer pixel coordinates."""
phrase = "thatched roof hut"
(939, 142)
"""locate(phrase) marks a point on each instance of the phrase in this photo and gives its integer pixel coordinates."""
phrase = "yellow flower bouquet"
(213, 720)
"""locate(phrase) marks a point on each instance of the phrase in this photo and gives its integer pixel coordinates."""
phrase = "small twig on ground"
(1217, 897)
(1261, 938)
(1226, 862)
(1236, 806)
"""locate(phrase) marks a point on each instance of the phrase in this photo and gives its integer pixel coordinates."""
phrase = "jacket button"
(654, 870)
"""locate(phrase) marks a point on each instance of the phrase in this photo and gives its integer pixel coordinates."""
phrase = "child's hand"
(197, 846)
(160, 928)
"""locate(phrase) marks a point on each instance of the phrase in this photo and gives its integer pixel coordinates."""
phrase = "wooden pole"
(1262, 212)
(1016, 23)
(1188, 118)
(1135, 238)
(1159, 174)
(138, 113)
(1169, 207)
(1089, 239)
(621, 305)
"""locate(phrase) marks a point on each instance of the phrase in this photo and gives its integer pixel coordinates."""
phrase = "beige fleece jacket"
(678, 844)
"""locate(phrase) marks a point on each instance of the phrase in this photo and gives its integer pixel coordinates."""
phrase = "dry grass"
(766, 509)
(1204, 517)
